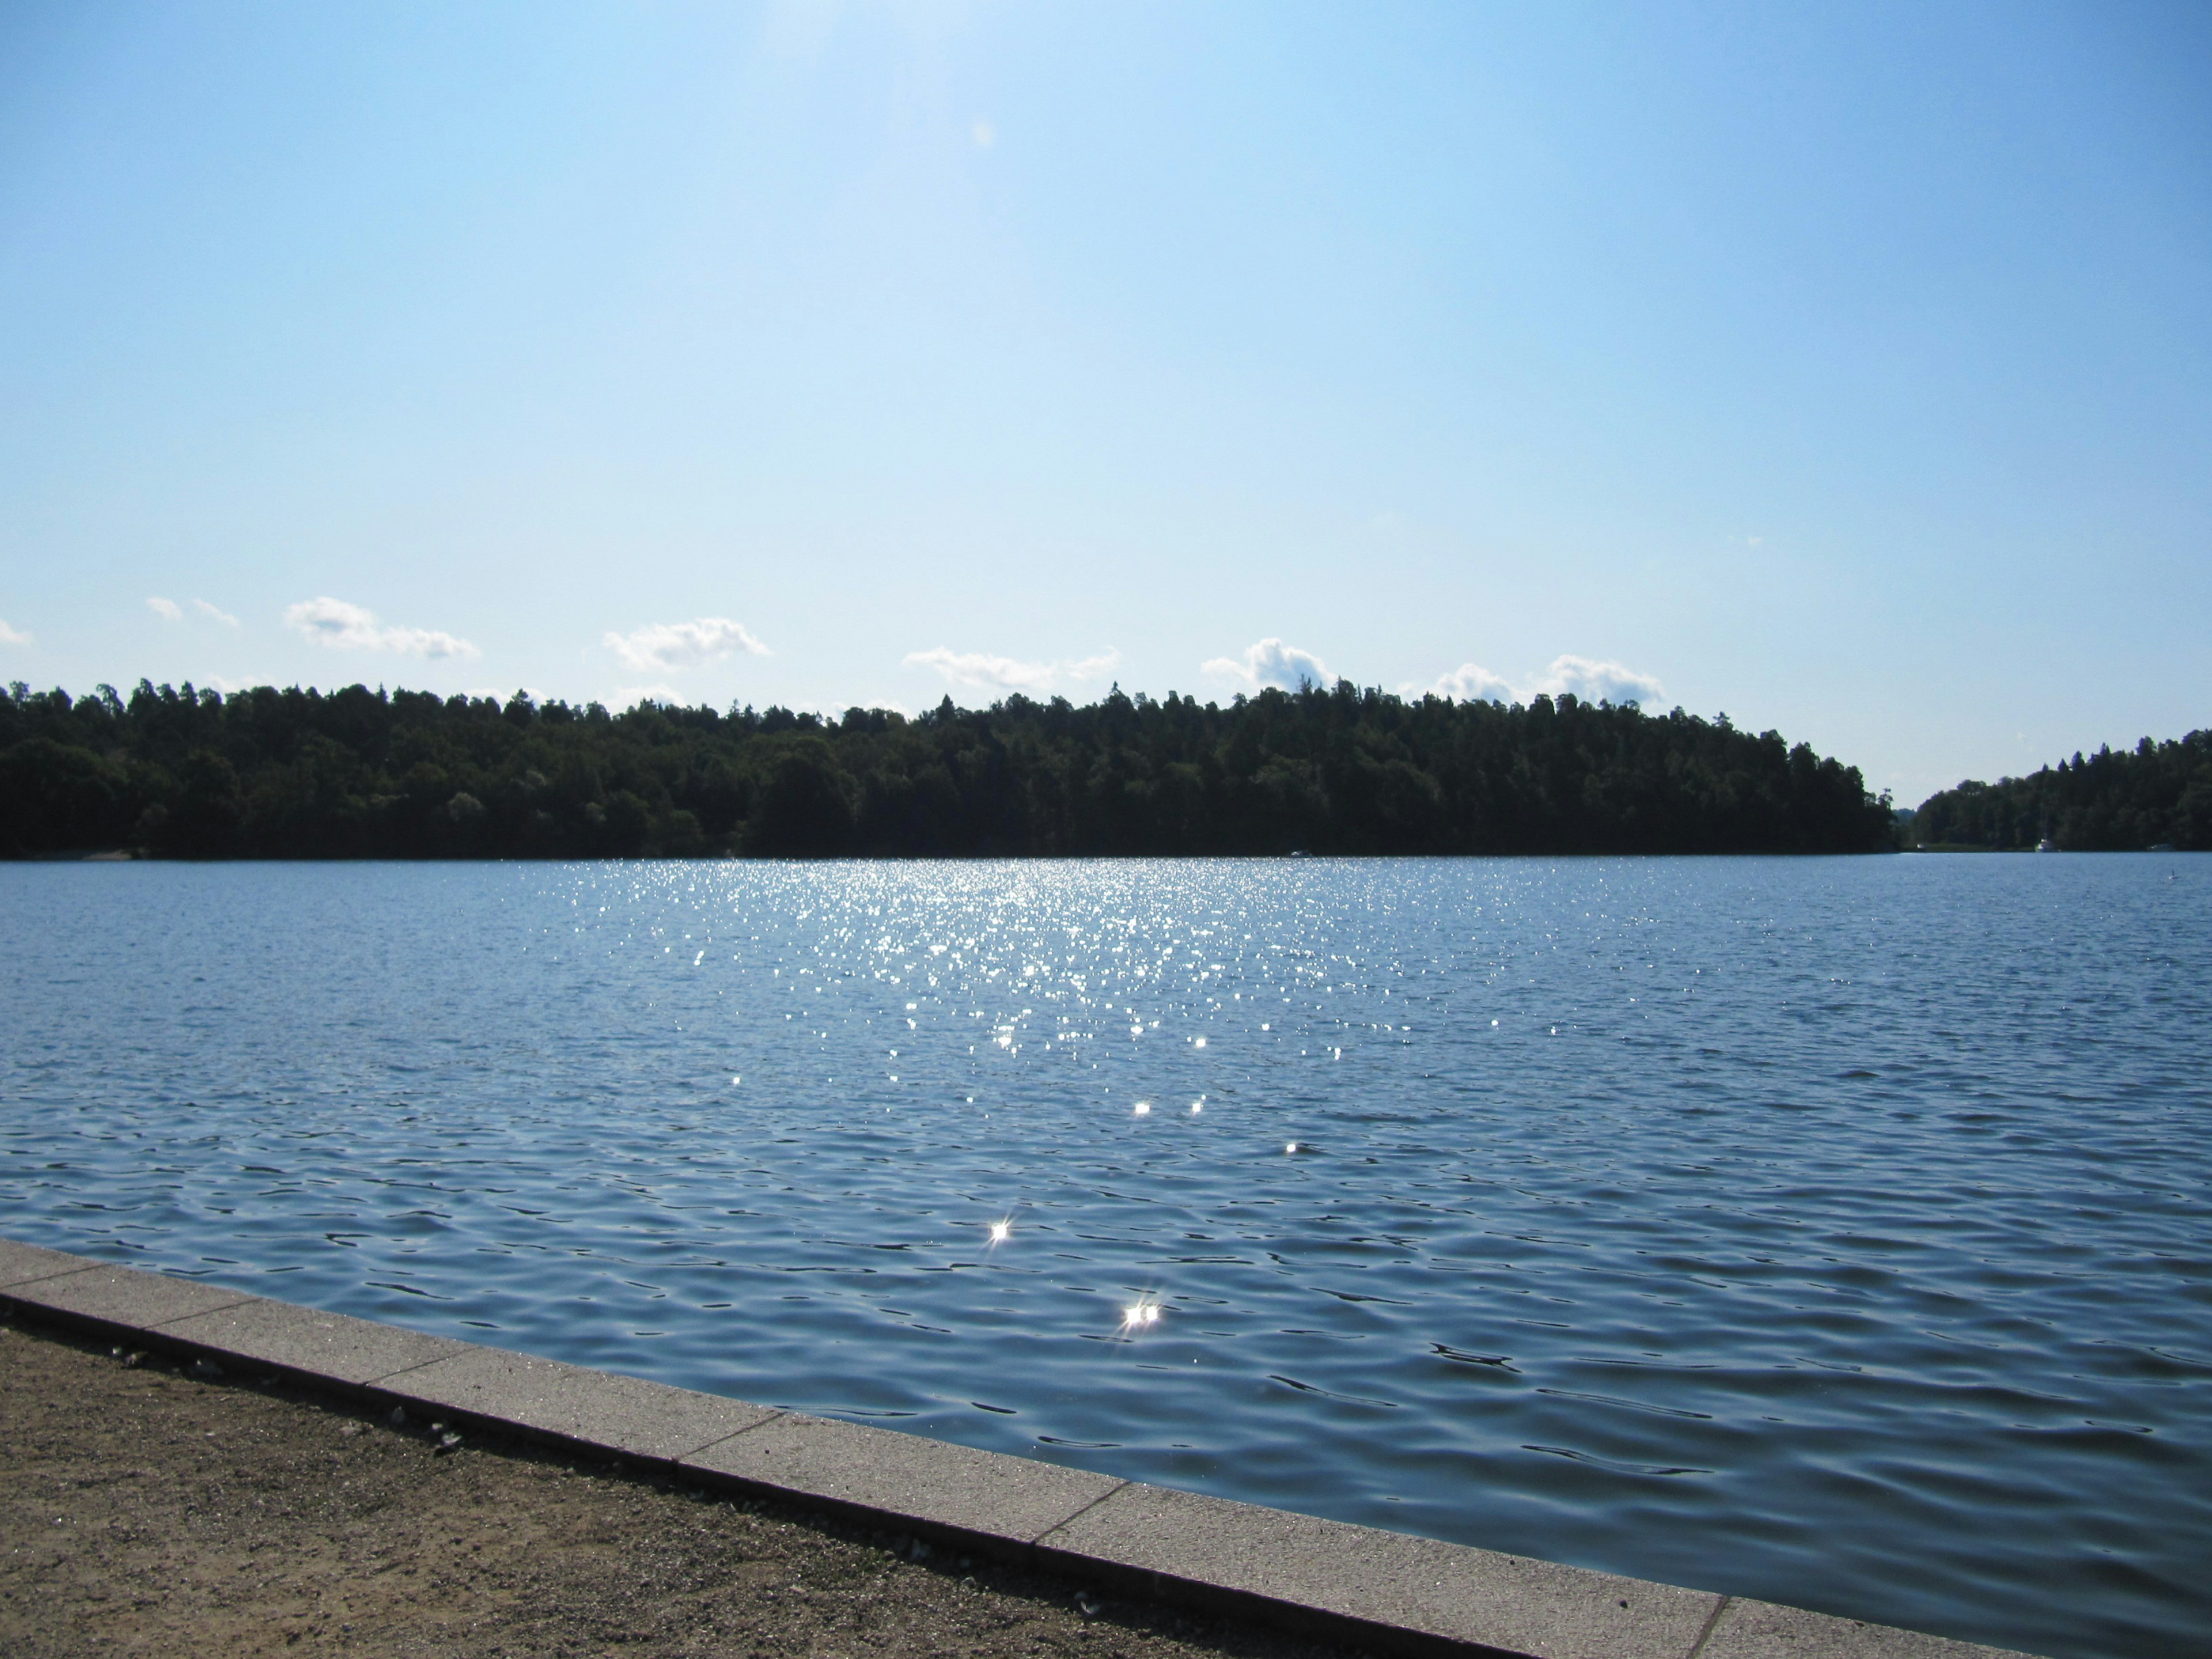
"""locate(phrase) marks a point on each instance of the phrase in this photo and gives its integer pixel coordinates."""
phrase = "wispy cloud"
(982, 671)
(170, 611)
(1270, 662)
(1585, 677)
(667, 646)
(12, 635)
(344, 627)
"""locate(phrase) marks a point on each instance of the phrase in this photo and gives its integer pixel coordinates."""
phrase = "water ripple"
(1829, 1231)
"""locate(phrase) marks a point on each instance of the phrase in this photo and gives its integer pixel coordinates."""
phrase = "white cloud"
(167, 610)
(334, 623)
(666, 646)
(628, 697)
(1270, 662)
(12, 636)
(345, 627)
(982, 671)
(983, 133)
(212, 614)
(1590, 681)
(1600, 681)
(1473, 682)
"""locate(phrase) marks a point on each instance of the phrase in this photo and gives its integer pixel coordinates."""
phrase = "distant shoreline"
(140, 855)
(1345, 771)
(2155, 797)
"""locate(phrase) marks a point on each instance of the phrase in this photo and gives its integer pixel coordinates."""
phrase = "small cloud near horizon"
(13, 636)
(1269, 662)
(1600, 682)
(1587, 679)
(980, 670)
(344, 627)
(667, 646)
(625, 697)
(214, 614)
(1471, 683)
(167, 610)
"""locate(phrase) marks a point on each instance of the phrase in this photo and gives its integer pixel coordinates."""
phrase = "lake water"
(1832, 1232)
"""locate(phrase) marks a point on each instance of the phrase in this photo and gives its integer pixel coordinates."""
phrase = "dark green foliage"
(804, 806)
(60, 795)
(362, 774)
(2157, 793)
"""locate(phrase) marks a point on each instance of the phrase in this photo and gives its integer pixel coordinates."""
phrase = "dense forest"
(2156, 794)
(363, 774)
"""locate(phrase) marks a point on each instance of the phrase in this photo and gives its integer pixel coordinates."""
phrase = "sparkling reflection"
(1855, 1200)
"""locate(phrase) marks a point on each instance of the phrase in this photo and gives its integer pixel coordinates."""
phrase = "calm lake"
(1832, 1231)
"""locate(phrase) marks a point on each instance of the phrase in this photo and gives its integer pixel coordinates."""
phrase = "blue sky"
(1843, 368)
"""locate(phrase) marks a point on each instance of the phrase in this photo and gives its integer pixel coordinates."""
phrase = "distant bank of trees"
(2157, 793)
(362, 774)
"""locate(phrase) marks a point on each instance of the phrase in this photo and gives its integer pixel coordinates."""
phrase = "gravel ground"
(147, 1509)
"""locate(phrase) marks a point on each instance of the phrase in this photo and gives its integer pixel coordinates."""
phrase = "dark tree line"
(2156, 794)
(362, 774)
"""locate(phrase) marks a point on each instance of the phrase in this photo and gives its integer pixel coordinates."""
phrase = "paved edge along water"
(1391, 1590)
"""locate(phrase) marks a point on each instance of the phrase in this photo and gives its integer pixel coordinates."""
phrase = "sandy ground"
(147, 1510)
